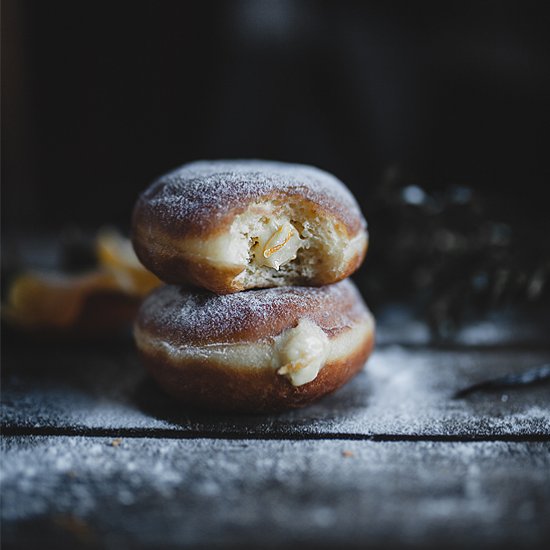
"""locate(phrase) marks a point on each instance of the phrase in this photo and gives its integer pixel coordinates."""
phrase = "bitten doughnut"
(234, 225)
(262, 350)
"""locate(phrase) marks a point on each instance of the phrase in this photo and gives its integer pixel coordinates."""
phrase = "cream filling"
(298, 353)
(302, 351)
(259, 238)
(270, 241)
(277, 242)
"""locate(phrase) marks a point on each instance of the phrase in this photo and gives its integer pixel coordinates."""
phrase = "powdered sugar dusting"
(200, 194)
(205, 317)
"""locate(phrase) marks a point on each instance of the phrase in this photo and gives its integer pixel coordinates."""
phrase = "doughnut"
(233, 225)
(257, 351)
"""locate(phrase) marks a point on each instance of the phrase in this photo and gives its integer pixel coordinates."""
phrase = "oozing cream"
(302, 352)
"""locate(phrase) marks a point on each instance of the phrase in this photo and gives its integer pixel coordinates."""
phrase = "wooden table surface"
(94, 455)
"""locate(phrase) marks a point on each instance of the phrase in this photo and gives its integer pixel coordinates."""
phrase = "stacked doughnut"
(257, 314)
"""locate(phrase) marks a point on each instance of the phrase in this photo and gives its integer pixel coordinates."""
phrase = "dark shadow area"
(154, 402)
(435, 116)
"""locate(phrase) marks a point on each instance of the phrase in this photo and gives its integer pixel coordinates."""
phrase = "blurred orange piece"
(116, 255)
(59, 301)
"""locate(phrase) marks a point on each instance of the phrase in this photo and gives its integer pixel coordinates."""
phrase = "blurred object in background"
(455, 254)
(95, 290)
(101, 97)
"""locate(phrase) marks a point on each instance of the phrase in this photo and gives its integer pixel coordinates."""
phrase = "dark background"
(101, 97)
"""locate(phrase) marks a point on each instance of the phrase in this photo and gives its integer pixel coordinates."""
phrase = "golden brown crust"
(206, 384)
(174, 267)
(199, 202)
(182, 317)
(201, 198)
